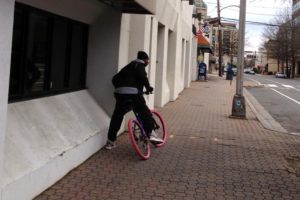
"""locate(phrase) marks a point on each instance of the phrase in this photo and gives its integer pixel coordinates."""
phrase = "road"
(280, 97)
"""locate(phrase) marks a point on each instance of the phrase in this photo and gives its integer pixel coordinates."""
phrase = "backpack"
(118, 78)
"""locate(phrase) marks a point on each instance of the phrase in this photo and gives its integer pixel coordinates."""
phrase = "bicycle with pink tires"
(140, 140)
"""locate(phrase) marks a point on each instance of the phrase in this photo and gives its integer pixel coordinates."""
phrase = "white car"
(249, 71)
(234, 71)
(280, 75)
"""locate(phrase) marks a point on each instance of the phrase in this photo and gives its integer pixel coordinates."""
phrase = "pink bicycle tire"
(141, 154)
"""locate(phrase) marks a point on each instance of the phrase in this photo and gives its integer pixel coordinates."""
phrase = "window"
(48, 54)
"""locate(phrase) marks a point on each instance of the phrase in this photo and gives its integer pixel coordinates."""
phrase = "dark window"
(48, 54)
(59, 53)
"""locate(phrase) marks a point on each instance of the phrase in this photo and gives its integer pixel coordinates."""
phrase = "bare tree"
(282, 41)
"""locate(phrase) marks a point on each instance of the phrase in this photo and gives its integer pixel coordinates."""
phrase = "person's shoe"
(110, 145)
(154, 139)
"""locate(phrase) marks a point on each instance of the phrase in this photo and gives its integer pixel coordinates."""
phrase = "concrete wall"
(85, 11)
(172, 45)
(194, 64)
(166, 13)
(162, 91)
(48, 137)
(188, 64)
(176, 80)
(206, 61)
(153, 56)
(149, 5)
(6, 26)
(124, 41)
(103, 54)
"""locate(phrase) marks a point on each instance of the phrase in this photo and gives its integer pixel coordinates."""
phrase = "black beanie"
(142, 55)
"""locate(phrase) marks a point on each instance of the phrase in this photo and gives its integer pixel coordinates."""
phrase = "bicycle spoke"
(160, 128)
(138, 141)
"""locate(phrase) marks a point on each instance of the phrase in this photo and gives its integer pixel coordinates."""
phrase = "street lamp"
(238, 104)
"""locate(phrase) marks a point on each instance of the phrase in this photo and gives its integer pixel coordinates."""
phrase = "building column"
(171, 69)
(188, 64)
(153, 57)
(6, 31)
(206, 61)
(183, 64)
(177, 57)
(194, 67)
(162, 91)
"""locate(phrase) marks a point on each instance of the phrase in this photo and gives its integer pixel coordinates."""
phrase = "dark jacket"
(132, 75)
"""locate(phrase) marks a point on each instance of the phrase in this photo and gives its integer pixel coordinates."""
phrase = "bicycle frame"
(140, 121)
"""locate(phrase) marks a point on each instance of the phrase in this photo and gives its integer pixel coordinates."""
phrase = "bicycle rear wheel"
(138, 139)
(160, 128)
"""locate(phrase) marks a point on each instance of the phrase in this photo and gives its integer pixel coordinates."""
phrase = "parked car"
(280, 75)
(249, 71)
(234, 71)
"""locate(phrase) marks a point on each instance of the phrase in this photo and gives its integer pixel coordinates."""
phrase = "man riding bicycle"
(129, 84)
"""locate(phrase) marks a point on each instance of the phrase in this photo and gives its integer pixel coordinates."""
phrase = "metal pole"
(219, 39)
(238, 104)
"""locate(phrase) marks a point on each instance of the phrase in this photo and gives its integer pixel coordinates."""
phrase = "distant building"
(265, 62)
(201, 8)
(229, 34)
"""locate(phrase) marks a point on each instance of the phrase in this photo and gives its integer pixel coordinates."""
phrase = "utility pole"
(220, 39)
(238, 104)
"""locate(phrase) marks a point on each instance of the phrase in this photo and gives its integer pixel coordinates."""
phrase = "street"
(280, 97)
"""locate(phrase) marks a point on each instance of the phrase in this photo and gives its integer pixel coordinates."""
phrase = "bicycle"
(140, 140)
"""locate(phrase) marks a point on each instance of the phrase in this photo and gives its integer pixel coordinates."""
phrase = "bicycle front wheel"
(138, 139)
(160, 128)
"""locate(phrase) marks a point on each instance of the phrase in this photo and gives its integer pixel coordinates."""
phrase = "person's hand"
(149, 90)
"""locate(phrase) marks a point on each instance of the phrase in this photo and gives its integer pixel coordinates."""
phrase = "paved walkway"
(208, 156)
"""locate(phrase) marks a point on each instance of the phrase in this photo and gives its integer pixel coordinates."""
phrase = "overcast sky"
(257, 11)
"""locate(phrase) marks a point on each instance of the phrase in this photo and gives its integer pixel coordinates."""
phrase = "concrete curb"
(262, 115)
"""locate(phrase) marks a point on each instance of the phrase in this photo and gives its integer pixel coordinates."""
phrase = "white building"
(57, 58)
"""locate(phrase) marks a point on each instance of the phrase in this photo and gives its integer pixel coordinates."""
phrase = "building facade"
(56, 63)
(229, 35)
(201, 8)
(265, 63)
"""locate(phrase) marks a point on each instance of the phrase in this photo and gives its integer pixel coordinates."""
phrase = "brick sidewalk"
(208, 156)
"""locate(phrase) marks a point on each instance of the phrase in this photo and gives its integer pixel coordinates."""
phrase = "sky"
(264, 11)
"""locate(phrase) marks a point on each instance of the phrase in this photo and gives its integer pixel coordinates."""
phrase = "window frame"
(22, 70)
